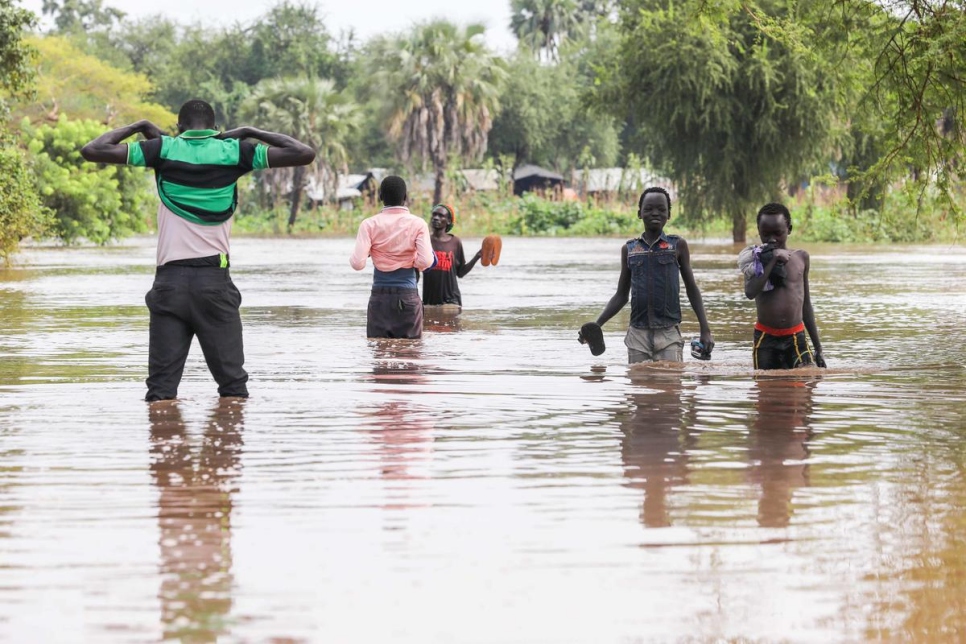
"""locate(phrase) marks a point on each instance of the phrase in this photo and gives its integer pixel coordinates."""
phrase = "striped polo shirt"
(197, 173)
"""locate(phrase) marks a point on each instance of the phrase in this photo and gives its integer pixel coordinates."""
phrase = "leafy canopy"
(730, 100)
(96, 202)
(439, 86)
(544, 118)
(83, 87)
(313, 111)
(21, 214)
(910, 104)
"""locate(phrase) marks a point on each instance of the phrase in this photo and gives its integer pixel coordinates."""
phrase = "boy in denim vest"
(650, 266)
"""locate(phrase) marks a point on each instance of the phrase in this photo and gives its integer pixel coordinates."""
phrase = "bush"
(92, 201)
(906, 216)
(606, 223)
(21, 213)
(541, 217)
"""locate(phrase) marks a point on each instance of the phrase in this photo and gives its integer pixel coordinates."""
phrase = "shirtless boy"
(776, 277)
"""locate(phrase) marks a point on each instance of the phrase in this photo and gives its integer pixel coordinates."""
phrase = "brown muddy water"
(491, 482)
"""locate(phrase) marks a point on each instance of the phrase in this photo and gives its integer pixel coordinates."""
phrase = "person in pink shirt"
(398, 243)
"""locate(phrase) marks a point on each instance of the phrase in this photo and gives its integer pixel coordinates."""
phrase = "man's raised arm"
(107, 148)
(284, 151)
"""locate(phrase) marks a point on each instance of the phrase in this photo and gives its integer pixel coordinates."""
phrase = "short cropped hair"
(196, 114)
(775, 209)
(640, 203)
(392, 191)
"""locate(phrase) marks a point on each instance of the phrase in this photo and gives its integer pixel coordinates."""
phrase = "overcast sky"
(366, 17)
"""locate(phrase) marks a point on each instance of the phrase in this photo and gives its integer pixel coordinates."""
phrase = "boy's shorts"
(651, 345)
(780, 348)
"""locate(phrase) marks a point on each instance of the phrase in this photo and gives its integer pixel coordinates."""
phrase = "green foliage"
(81, 86)
(312, 111)
(530, 110)
(290, 40)
(543, 120)
(544, 25)
(97, 203)
(906, 215)
(439, 86)
(81, 15)
(913, 53)
(221, 64)
(16, 73)
(602, 222)
(731, 100)
(480, 213)
(539, 216)
(21, 214)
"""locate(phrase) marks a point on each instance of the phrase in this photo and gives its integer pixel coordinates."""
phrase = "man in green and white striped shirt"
(196, 174)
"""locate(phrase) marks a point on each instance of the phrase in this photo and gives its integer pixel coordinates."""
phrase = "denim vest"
(655, 282)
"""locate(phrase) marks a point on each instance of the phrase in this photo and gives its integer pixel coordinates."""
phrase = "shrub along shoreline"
(901, 219)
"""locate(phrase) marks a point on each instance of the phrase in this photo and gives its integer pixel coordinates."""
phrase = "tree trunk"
(739, 227)
(438, 189)
(298, 177)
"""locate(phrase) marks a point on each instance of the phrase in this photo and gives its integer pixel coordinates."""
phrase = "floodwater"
(492, 482)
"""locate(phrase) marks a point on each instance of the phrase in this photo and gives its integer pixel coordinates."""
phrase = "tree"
(83, 87)
(81, 16)
(913, 96)
(97, 203)
(312, 111)
(543, 25)
(543, 119)
(221, 65)
(21, 214)
(440, 87)
(16, 55)
(290, 40)
(730, 99)
(530, 112)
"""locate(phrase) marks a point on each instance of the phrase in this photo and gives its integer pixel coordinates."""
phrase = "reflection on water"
(657, 426)
(401, 431)
(397, 362)
(442, 319)
(779, 445)
(196, 481)
(491, 482)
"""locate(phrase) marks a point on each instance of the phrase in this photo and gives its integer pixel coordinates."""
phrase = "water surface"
(492, 482)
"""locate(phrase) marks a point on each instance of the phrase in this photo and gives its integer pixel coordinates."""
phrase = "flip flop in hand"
(492, 245)
(591, 334)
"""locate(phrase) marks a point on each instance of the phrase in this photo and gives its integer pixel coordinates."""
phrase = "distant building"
(475, 179)
(616, 181)
(350, 187)
(481, 179)
(528, 178)
(602, 182)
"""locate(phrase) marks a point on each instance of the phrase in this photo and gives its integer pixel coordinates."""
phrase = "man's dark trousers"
(394, 312)
(187, 301)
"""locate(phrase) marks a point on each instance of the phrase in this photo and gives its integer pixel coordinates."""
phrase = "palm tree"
(312, 111)
(441, 87)
(543, 25)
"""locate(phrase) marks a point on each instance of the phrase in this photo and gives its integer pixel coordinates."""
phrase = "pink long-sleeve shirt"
(394, 238)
